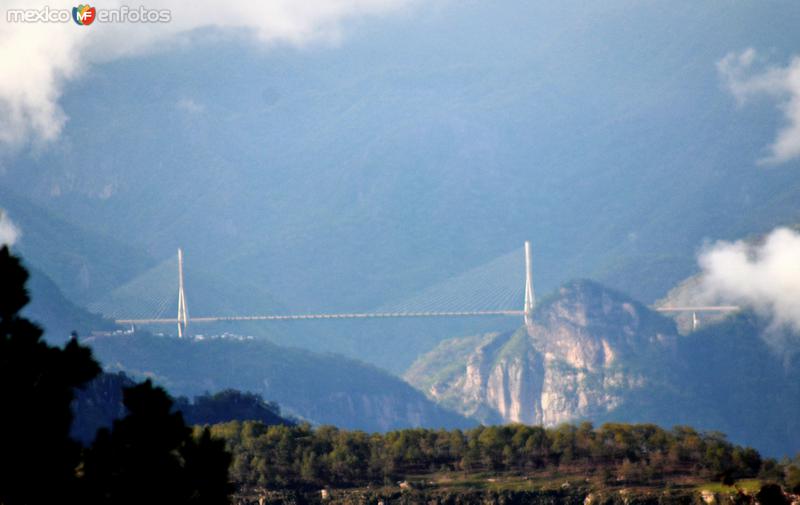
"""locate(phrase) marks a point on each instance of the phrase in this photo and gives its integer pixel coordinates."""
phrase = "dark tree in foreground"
(772, 494)
(37, 457)
(150, 456)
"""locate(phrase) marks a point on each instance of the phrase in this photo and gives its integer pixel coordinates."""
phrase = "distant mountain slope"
(82, 263)
(740, 385)
(596, 354)
(323, 388)
(98, 404)
(58, 315)
(726, 377)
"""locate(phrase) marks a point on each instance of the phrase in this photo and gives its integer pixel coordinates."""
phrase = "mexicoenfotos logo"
(84, 15)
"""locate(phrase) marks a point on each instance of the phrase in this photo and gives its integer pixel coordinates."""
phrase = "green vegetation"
(279, 457)
(515, 346)
(750, 486)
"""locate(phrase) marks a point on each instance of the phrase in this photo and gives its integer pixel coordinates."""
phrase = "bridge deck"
(377, 315)
(297, 317)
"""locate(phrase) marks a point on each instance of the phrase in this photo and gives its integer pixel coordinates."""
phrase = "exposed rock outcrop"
(587, 351)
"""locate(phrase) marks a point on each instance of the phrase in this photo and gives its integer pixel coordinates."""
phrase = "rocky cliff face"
(588, 351)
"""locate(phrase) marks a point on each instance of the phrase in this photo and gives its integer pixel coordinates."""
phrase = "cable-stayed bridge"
(452, 298)
(490, 290)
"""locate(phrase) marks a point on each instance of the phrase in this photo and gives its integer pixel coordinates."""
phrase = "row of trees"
(299, 456)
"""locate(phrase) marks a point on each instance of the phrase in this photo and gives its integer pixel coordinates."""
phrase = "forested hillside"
(612, 464)
(299, 457)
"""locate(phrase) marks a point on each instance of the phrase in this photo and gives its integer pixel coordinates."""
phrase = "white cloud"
(37, 59)
(745, 82)
(764, 276)
(9, 233)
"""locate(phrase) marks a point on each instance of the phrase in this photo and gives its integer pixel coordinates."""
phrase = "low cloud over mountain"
(763, 276)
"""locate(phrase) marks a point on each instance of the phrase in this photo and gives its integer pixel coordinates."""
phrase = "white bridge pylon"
(530, 298)
(183, 313)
